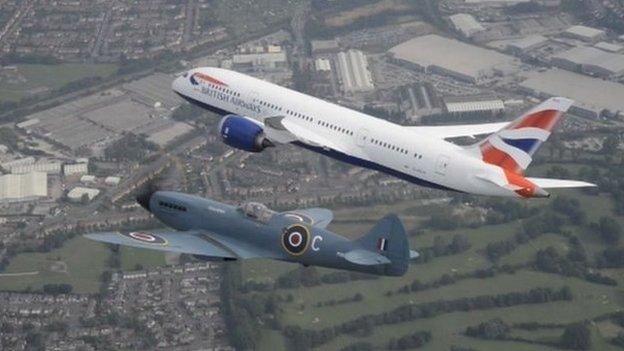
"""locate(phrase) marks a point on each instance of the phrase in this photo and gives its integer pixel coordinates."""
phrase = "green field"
(590, 300)
(50, 77)
(80, 262)
(131, 257)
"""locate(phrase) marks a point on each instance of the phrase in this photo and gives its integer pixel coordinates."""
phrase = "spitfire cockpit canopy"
(257, 211)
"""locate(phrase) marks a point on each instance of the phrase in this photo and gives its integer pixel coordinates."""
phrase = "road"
(24, 9)
(190, 21)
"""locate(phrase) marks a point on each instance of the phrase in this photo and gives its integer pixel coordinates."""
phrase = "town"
(88, 118)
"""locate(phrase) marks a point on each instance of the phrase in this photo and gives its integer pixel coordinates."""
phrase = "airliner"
(259, 114)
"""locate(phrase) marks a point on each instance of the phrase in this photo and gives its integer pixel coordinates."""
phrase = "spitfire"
(214, 231)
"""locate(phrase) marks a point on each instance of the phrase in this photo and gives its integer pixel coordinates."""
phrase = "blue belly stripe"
(337, 155)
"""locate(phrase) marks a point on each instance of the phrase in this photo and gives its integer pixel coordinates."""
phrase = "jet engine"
(241, 133)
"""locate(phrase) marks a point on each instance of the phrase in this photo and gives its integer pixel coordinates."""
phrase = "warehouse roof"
(586, 55)
(453, 55)
(529, 42)
(466, 24)
(587, 92)
(23, 186)
(584, 31)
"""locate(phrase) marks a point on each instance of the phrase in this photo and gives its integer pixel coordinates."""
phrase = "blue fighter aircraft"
(214, 231)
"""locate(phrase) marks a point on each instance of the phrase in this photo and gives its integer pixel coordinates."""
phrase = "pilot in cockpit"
(257, 211)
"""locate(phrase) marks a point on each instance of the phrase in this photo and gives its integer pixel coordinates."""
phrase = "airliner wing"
(282, 130)
(444, 132)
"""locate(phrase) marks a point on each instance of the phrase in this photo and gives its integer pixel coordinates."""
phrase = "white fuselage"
(356, 137)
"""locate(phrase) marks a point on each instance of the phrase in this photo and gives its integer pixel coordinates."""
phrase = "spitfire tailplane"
(388, 241)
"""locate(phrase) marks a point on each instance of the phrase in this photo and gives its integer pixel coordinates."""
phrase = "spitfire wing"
(318, 217)
(188, 242)
(444, 132)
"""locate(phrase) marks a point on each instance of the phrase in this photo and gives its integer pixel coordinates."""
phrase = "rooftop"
(23, 186)
(528, 42)
(453, 55)
(584, 31)
(466, 24)
(587, 55)
(587, 92)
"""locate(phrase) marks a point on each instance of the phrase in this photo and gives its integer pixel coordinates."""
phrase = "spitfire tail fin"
(512, 147)
(388, 239)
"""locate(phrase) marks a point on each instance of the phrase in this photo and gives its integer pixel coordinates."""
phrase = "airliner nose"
(178, 84)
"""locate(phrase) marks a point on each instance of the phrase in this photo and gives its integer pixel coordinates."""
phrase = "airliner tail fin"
(512, 147)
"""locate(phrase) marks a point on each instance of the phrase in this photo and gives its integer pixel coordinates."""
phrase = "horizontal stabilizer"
(365, 257)
(413, 254)
(455, 131)
(547, 183)
(182, 242)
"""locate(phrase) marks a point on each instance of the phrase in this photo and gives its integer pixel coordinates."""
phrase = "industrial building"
(420, 100)
(436, 54)
(467, 104)
(589, 94)
(74, 169)
(320, 47)
(589, 60)
(609, 47)
(28, 164)
(112, 181)
(466, 24)
(45, 167)
(88, 179)
(78, 193)
(267, 60)
(322, 65)
(354, 73)
(588, 34)
(520, 47)
(9, 165)
(95, 121)
(23, 187)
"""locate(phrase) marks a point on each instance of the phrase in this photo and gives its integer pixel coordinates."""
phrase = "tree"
(439, 246)
(610, 145)
(490, 330)
(610, 230)
(459, 244)
(576, 336)
(8, 138)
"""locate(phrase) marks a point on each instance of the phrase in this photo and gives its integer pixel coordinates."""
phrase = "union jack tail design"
(512, 147)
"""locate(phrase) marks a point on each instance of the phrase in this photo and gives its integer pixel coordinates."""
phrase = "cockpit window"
(257, 211)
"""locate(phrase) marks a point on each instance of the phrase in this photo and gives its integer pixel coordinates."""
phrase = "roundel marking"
(146, 237)
(296, 239)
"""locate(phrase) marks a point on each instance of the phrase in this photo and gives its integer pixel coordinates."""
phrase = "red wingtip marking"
(209, 79)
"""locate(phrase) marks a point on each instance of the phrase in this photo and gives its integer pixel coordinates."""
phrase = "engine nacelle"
(241, 133)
